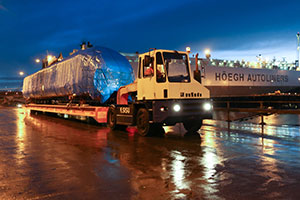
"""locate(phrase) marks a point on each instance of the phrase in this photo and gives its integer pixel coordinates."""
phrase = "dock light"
(207, 106)
(37, 60)
(21, 73)
(188, 49)
(176, 107)
(49, 58)
(207, 53)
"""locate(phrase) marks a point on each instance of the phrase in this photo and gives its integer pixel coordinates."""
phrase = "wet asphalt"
(44, 157)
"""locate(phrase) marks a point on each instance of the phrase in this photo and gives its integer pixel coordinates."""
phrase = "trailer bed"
(99, 113)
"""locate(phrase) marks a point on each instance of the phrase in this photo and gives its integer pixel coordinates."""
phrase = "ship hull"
(234, 91)
(228, 81)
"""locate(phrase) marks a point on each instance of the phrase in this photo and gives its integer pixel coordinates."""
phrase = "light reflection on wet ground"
(44, 157)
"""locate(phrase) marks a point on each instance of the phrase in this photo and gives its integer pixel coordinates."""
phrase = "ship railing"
(259, 108)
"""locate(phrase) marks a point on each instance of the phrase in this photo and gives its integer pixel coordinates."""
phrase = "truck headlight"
(176, 107)
(207, 106)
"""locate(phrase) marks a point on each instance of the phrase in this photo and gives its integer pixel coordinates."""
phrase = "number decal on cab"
(124, 110)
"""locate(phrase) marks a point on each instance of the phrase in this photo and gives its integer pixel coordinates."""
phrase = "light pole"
(298, 47)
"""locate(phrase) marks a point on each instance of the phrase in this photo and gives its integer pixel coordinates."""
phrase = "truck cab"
(165, 74)
(165, 92)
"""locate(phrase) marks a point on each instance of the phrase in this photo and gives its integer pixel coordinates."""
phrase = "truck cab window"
(160, 70)
(148, 66)
(177, 67)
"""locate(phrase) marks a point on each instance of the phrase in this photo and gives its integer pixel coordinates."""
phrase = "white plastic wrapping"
(97, 71)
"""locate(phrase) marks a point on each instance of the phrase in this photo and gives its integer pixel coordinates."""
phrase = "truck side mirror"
(197, 75)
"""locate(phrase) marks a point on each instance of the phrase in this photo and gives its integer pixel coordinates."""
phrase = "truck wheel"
(111, 118)
(192, 125)
(157, 130)
(144, 127)
(112, 122)
(142, 122)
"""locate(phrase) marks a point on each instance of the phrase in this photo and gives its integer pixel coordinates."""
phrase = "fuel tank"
(96, 72)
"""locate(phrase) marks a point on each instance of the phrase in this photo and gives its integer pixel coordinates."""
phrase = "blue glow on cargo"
(113, 72)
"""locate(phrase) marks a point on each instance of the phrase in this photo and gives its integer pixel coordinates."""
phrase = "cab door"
(161, 84)
(146, 78)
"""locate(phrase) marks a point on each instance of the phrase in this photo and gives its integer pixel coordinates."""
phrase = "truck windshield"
(176, 67)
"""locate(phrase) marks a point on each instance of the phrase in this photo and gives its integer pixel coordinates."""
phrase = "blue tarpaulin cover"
(96, 71)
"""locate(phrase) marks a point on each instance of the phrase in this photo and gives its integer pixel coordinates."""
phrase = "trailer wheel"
(192, 125)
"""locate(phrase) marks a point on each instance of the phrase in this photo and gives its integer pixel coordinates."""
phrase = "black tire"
(192, 125)
(111, 120)
(157, 130)
(144, 127)
(142, 122)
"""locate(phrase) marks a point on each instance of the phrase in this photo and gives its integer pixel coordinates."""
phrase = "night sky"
(231, 29)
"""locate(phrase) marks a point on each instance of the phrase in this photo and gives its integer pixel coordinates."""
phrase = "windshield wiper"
(178, 78)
